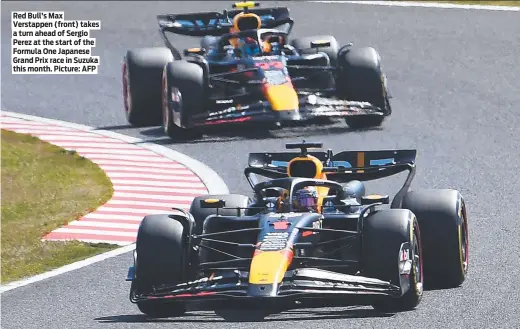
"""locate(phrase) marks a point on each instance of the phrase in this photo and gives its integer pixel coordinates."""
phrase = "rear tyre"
(360, 78)
(182, 96)
(142, 70)
(160, 260)
(232, 200)
(443, 219)
(383, 234)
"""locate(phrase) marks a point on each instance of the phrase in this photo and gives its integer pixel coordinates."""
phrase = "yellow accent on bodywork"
(360, 161)
(373, 196)
(320, 43)
(268, 267)
(282, 97)
(322, 193)
(308, 158)
(245, 4)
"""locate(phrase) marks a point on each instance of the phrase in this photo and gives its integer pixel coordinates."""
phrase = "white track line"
(66, 268)
(144, 176)
(59, 139)
(103, 224)
(94, 232)
(143, 212)
(94, 156)
(167, 204)
(119, 243)
(424, 5)
(53, 134)
(108, 217)
(116, 195)
(138, 188)
(170, 171)
(170, 185)
(90, 150)
(97, 145)
(133, 164)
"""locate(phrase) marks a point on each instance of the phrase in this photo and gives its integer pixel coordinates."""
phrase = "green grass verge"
(44, 187)
(476, 2)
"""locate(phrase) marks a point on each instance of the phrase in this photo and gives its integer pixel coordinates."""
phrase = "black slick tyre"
(384, 232)
(303, 45)
(443, 219)
(160, 260)
(142, 71)
(182, 96)
(232, 200)
(360, 78)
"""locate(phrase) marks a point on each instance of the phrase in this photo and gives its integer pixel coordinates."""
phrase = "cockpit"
(260, 42)
(300, 195)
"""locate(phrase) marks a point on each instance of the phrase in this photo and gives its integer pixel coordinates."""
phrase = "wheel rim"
(418, 260)
(464, 243)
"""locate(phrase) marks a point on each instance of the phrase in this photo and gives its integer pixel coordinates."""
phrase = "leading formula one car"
(247, 69)
(310, 237)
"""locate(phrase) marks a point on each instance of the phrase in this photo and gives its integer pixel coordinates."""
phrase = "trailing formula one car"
(247, 69)
(310, 237)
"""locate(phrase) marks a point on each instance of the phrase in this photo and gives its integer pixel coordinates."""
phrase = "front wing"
(310, 107)
(330, 288)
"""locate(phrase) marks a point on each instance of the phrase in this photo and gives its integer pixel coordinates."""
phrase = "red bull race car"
(309, 237)
(247, 69)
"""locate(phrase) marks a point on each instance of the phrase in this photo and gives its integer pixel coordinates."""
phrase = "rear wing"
(341, 167)
(217, 24)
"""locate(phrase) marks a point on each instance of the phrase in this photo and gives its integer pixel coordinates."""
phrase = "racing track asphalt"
(454, 76)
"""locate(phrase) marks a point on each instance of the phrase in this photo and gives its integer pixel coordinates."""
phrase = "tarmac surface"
(454, 77)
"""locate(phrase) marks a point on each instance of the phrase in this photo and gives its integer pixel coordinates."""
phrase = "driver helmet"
(305, 199)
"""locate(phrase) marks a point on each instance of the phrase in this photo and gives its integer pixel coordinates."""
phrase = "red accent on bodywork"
(228, 121)
(270, 65)
(203, 293)
(281, 225)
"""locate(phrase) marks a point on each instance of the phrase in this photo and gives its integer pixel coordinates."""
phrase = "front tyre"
(160, 252)
(182, 96)
(384, 234)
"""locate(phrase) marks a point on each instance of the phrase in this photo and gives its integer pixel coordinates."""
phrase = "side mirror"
(374, 198)
(212, 203)
(320, 44)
